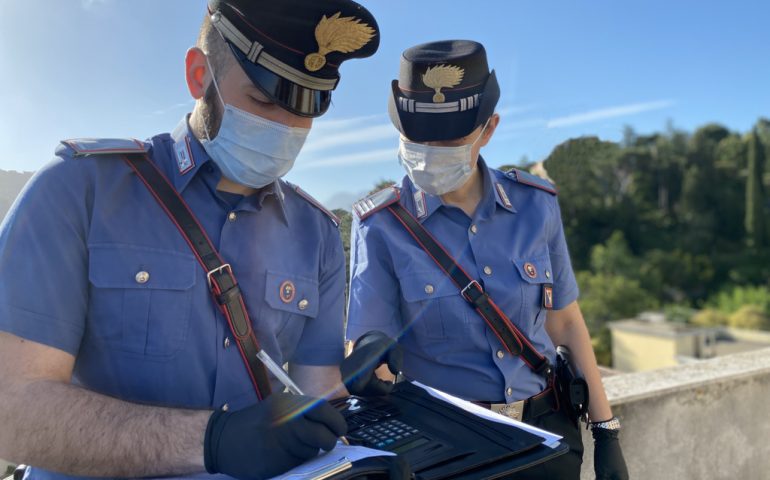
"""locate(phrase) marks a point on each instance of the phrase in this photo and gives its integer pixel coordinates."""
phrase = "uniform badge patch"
(548, 297)
(337, 34)
(419, 204)
(442, 76)
(184, 159)
(503, 196)
(287, 291)
(530, 270)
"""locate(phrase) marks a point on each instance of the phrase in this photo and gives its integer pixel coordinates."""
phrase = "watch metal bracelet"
(611, 424)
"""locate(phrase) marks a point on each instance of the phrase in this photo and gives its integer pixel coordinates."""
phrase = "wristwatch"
(611, 424)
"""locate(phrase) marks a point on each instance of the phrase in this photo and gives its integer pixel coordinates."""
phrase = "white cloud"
(604, 113)
(506, 126)
(344, 123)
(353, 159)
(515, 110)
(349, 136)
(172, 108)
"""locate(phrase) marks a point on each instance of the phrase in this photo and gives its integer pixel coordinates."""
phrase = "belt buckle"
(464, 291)
(219, 269)
(513, 410)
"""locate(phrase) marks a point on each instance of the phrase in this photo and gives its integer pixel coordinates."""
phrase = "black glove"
(608, 458)
(271, 437)
(372, 350)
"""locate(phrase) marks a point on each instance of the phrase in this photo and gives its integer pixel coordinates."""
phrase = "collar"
(187, 154)
(494, 178)
(189, 157)
(424, 204)
(275, 189)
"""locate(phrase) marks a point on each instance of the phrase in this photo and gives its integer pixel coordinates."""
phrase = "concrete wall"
(708, 420)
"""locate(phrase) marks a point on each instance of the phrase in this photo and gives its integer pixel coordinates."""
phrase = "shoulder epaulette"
(376, 201)
(334, 218)
(105, 146)
(527, 178)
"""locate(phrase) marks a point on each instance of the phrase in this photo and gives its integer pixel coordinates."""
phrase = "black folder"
(439, 440)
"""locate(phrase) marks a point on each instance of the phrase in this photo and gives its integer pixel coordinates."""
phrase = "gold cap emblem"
(442, 76)
(337, 34)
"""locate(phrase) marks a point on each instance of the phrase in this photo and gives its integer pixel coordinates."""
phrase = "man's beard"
(212, 112)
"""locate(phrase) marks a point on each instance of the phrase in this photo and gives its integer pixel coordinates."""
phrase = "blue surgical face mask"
(437, 170)
(252, 150)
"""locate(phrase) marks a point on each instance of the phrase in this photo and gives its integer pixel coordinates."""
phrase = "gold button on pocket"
(142, 277)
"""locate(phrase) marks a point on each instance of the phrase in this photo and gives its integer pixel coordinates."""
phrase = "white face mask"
(437, 170)
(252, 150)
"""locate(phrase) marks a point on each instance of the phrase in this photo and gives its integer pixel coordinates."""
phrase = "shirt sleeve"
(321, 343)
(565, 288)
(374, 292)
(44, 258)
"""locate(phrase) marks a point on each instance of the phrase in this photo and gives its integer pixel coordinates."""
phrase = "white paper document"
(331, 463)
(550, 439)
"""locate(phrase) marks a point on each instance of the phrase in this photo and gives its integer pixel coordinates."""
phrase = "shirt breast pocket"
(140, 298)
(433, 305)
(292, 300)
(537, 286)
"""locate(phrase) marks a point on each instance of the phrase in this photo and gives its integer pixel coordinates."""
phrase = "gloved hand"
(608, 458)
(271, 437)
(372, 349)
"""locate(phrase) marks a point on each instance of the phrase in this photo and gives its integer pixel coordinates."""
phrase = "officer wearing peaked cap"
(504, 230)
(115, 358)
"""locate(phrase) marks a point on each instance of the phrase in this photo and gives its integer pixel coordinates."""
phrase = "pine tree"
(755, 219)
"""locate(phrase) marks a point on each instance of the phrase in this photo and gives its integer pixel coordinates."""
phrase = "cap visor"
(290, 96)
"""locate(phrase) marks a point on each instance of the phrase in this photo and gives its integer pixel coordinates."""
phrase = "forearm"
(68, 429)
(574, 334)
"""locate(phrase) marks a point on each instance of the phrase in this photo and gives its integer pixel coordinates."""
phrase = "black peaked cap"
(292, 49)
(444, 91)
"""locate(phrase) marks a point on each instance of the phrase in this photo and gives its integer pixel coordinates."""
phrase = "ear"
(494, 121)
(197, 72)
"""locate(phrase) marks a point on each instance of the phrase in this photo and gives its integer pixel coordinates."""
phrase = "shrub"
(709, 317)
(732, 300)
(750, 317)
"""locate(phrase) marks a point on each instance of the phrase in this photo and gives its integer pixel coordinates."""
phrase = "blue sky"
(90, 68)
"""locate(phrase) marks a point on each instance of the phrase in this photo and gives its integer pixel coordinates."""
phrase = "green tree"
(346, 219)
(384, 183)
(607, 298)
(614, 257)
(755, 215)
(583, 170)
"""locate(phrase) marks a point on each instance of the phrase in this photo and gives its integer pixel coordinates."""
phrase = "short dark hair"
(215, 48)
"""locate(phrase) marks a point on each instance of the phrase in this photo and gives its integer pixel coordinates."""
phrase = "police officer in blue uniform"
(115, 360)
(503, 228)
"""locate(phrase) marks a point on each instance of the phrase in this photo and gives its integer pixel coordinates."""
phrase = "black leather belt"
(528, 409)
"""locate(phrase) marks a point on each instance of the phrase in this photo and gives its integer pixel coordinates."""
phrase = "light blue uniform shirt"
(73, 243)
(398, 289)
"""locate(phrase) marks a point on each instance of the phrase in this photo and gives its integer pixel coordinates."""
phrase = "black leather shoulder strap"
(219, 275)
(513, 340)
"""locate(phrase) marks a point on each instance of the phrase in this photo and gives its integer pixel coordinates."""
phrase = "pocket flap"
(292, 293)
(129, 266)
(535, 269)
(425, 285)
